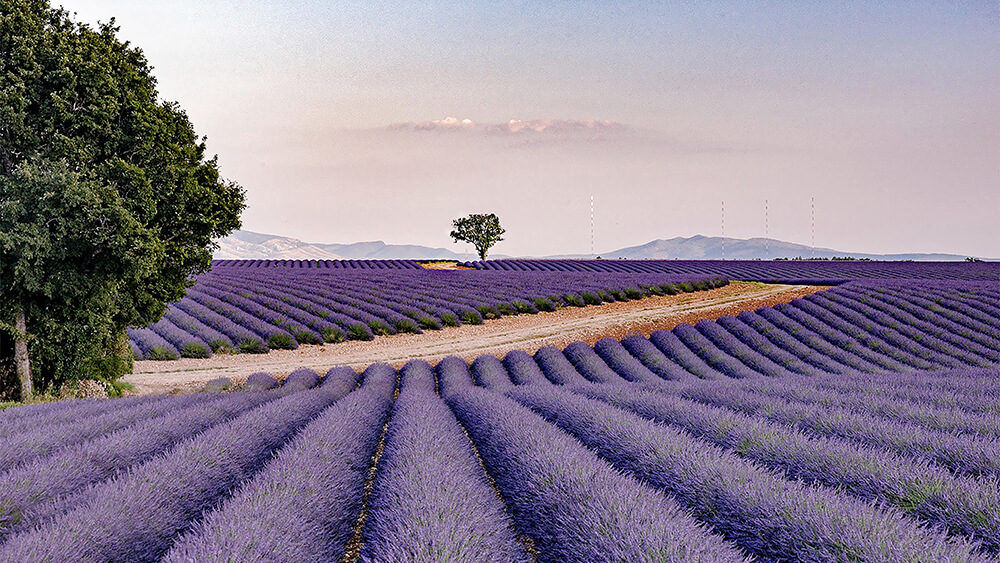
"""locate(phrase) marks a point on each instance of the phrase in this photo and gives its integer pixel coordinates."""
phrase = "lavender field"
(858, 423)
(822, 272)
(253, 306)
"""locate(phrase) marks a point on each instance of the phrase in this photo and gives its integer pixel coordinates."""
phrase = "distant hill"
(246, 245)
(701, 247)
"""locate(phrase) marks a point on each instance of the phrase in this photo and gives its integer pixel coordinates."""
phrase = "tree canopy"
(108, 200)
(482, 231)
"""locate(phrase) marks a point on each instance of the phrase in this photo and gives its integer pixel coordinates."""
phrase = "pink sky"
(887, 113)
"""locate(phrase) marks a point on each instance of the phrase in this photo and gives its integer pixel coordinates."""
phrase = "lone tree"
(108, 201)
(482, 231)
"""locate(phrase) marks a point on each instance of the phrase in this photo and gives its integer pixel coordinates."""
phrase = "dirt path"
(497, 337)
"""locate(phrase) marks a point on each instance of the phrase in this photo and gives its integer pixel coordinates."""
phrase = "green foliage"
(481, 231)
(117, 388)
(406, 325)
(574, 300)
(524, 307)
(652, 290)
(449, 319)
(221, 347)
(591, 298)
(506, 309)
(252, 346)
(282, 341)
(634, 293)
(488, 312)
(358, 332)
(108, 199)
(429, 323)
(161, 353)
(379, 328)
(333, 334)
(307, 337)
(543, 304)
(195, 350)
(471, 317)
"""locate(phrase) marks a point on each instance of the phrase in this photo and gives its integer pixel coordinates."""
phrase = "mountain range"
(247, 245)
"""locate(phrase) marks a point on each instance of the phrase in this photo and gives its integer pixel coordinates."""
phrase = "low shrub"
(685, 287)
(429, 323)
(669, 289)
(217, 385)
(118, 388)
(161, 353)
(220, 346)
(332, 334)
(524, 307)
(252, 346)
(652, 290)
(308, 337)
(543, 304)
(618, 294)
(195, 350)
(282, 341)
(591, 298)
(574, 300)
(406, 325)
(449, 319)
(380, 328)
(260, 381)
(506, 309)
(301, 379)
(359, 331)
(470, 317)
(634, 293)
(606, 297)
(488, 312)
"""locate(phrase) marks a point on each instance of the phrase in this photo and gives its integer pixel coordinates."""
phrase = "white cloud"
(586, 127)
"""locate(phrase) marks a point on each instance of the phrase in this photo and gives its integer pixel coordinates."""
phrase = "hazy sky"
(888, 113)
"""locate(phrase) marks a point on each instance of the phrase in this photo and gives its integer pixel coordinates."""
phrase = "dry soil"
(497, 337)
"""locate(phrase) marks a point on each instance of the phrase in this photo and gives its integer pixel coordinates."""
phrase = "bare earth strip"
(497, 337)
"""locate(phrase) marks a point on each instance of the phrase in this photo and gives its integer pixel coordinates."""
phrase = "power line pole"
(592, 254)
(812, 225)
(723, 229)
(767, 228)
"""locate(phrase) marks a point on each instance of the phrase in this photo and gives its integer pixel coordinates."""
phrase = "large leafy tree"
(108, 200)
(480, 230)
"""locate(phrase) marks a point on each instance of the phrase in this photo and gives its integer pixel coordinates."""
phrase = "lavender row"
(946, 419)
(31, 492)
(782, 271)
(303, 505)
(761, 511)
(572, 505)
(135, 515)
(254, 310)
(31, 417)
(960, 506)
(46, 439)
(962, 454)
(321, 264)
(431, 498)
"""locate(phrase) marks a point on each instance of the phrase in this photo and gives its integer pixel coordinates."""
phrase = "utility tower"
(592, 254)
(723, 229)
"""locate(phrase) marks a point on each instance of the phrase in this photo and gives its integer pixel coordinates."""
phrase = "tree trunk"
(21, 354)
